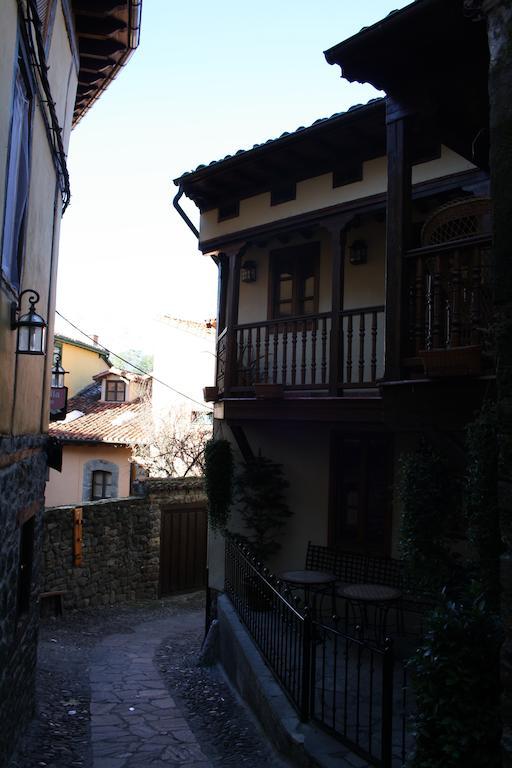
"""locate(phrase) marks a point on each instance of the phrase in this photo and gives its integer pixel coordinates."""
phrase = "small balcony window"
(294, 280)
(115, 391)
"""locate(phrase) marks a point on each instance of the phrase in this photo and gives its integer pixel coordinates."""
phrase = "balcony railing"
(450, 296)
(298, 352)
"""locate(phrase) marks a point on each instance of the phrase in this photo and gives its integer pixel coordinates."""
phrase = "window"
(115, 391)
(294, 280)
(101, 484)
(361, 478)
(17, 180)
(25, 567)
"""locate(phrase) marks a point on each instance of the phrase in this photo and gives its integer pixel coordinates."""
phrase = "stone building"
(56, 58)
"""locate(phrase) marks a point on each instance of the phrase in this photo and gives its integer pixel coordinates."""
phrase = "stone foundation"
(120, 545)
(22, 481)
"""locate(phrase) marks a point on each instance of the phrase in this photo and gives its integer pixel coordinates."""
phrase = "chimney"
(95, 338)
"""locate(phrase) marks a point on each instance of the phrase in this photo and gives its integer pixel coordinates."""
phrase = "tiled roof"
(283, 136)
(128, 375)
(101, 422)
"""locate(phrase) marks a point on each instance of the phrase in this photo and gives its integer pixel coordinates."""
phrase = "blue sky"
(207, 79)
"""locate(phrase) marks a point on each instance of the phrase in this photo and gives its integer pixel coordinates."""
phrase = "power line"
(141, 370)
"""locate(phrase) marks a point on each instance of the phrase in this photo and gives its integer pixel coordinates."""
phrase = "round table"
(308, 580)
(381, 597)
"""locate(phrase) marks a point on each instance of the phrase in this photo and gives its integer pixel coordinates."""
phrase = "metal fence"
(354, 690)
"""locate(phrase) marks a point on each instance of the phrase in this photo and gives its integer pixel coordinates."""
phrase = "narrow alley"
(121, 688)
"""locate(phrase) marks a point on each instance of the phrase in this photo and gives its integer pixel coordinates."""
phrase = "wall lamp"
(358, 252)
(58, 372)
(31, 326)
(248, 272)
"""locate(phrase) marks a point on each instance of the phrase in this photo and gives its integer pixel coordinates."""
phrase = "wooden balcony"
(450, 314)
(321, 353)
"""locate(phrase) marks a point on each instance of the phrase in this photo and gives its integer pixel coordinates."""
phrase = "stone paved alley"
(120, 688)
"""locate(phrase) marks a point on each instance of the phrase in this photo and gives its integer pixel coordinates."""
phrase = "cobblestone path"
(120, 688)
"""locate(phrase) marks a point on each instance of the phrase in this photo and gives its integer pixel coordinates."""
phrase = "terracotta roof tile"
(117, 423)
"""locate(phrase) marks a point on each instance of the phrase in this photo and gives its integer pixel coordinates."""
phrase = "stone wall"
(120, 545)
(22, 480)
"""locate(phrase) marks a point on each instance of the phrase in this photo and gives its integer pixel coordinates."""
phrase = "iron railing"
(351, 688)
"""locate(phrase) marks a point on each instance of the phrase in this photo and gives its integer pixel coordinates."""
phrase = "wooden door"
(361, 484)
(183, 548)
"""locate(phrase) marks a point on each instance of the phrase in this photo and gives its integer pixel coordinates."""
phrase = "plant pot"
(458, 361)
(269, 391)
(210, 394)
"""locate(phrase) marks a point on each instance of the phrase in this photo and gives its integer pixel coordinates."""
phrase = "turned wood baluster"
(241, 372)
(476, 284)
(276, 347)
(324, 350)
(350, 333)
(436, 305)
(420, 332)
(258, 353)
(294, 352)
(313, 353)
(250, 360)
(373, 361)
(266, 348)
(362, 332)
(284, 362)
(303, 362)
(456, 302)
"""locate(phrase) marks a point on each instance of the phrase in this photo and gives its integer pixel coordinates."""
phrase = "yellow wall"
(25, 380)
(317, 193)
(82, 365)
(66, 487)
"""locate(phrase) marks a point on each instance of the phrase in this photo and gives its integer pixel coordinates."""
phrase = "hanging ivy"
(219, 468)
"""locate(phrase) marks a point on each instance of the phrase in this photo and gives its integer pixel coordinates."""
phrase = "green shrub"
(218, 470)
(481, 499)
(426, 497)
(455, 675)
(260, 490)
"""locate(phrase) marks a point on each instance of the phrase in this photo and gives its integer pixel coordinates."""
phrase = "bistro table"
(378, 596)
(310, 582)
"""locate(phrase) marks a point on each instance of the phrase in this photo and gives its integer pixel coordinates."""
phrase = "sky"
(208, 78)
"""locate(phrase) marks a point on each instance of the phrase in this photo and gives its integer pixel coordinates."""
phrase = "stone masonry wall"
(120, 545)
(22, 481)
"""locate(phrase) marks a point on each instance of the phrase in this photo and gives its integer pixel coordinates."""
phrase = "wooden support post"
(397, 234)
(337, 229)
(233, 256)
(77, 537)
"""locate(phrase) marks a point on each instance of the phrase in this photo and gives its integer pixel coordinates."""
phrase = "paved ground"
(121, 688)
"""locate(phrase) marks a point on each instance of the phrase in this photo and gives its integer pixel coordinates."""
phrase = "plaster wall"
(318, 193)
(24, 380)
(66, 487)
(81, 364)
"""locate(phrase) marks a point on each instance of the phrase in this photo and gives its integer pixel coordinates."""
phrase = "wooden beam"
(397, 236)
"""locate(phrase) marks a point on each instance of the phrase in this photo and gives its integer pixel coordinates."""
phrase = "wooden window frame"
(102, 474)
(117, 384)
(298, 254)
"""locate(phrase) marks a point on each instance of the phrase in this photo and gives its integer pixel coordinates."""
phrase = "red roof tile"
(118, 423)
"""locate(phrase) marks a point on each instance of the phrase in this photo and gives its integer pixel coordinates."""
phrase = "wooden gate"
(183, 548)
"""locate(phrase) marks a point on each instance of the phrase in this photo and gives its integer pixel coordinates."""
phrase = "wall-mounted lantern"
(358, 252)
(58, 372)
(248, 272)
(31, 326)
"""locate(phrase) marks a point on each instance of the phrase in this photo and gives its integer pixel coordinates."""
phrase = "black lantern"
(31, 326)
(358, 252)
(58, 372)
(248, 272)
